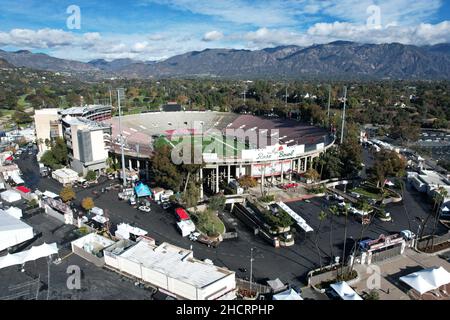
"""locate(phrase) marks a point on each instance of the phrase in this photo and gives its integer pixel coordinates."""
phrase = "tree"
(334, 211)
(247, 182)
(191, 195)
(443, 193)
(20, 117)
(67, 194)
(372, 295)
(312, 175)
(49, 160)
(165, 172)
(438, 198)
(60, 152)
(387, 164)
(91, 175)
(345, 212)
(322, 218)
(87, 203)
(217, 203)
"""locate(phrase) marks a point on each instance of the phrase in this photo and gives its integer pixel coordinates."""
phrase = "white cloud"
(213, 36)
(276, 13)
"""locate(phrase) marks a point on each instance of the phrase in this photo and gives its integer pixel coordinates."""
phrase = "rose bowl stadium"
(229, 145)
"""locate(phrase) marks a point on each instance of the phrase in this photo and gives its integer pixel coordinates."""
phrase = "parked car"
(145, 209)
(356, 195)
(194, 236)
(132, 201)
(338, 197)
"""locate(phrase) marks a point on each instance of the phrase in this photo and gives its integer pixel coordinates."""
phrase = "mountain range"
(339, 60)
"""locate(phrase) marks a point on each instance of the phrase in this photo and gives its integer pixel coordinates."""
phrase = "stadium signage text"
(271, 153)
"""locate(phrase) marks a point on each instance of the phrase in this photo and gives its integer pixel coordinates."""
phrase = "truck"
(234, 184)
(126, 194)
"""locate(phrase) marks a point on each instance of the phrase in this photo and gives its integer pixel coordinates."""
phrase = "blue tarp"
(142, 190)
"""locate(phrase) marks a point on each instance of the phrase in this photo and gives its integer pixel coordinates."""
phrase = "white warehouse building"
(172, 269)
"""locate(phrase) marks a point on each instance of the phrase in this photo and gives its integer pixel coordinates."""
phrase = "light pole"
(343, 115)
(251, 270)
(120, 94)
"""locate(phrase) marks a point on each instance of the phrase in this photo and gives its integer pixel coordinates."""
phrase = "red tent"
(23, 189)
(10, 158)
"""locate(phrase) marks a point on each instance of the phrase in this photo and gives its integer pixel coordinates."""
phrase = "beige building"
(48, 127)
(85, 141)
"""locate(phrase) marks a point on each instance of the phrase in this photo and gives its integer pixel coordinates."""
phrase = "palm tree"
(442, 196)
(334, 211)
(322, 217)
(402, 187)
(345, 213)
(437, 198)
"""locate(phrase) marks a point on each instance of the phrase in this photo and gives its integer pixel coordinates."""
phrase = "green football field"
(224, 147)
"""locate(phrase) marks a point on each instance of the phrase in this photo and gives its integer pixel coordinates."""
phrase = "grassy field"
(367, 194)
(209, 144)
(208, 223)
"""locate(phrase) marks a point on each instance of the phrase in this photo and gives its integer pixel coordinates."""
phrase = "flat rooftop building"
(174, 270)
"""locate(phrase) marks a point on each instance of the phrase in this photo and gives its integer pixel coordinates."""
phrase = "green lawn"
(210, 144)
(208, 223)
(366, 193)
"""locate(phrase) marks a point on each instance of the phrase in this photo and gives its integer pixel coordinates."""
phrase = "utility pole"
(286, 95)
(251, 270)
(329, 102)
(110, 97)
(343, 115)
(120, 94)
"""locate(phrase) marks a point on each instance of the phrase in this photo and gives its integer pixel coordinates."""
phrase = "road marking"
(133, 129)
(127, 133)
(142, 127)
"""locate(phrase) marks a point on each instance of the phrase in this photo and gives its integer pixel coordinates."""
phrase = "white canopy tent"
(13, 212)
(33, 254)
(287, 295)
(17, 179)
(11, 196)
(124, 231)
(49, 194)
(13, 231)
(344, 291)
(427, 279)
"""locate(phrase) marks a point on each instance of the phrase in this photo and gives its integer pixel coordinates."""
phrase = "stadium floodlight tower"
(343, 115)
(120, 97)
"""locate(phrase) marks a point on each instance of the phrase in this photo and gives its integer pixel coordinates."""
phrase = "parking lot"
(43, 280)
(289, 264)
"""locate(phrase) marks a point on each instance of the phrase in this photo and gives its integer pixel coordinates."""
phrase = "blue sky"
(157, 29)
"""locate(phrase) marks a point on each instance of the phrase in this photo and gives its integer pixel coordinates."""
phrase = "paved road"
(288, 264)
